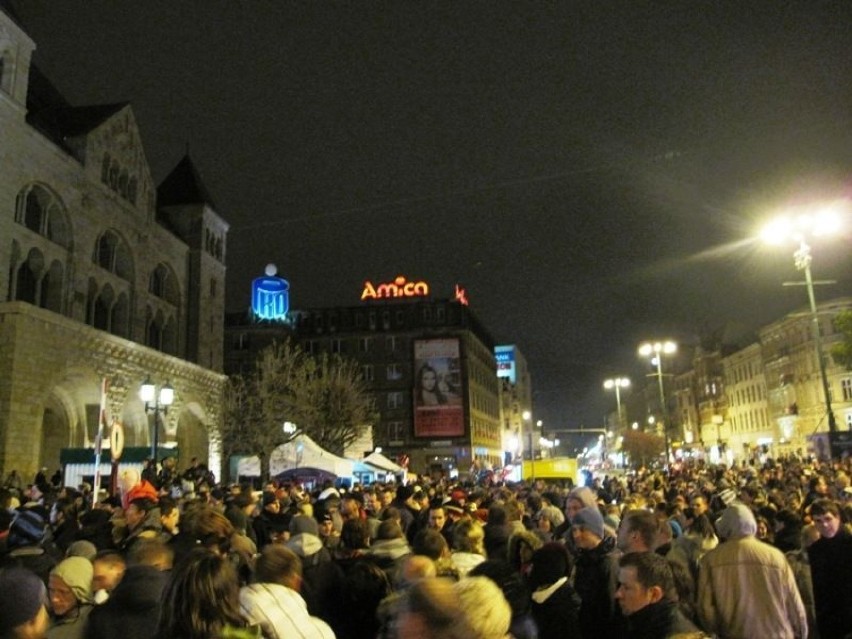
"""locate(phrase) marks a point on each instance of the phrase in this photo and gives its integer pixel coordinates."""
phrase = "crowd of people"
(748, 551)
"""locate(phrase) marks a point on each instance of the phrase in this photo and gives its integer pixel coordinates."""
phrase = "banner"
(438, 389)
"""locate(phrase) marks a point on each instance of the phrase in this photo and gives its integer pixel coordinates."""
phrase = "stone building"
(107, 276)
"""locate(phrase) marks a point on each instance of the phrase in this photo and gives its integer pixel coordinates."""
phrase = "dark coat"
(831, 572)
(658, 621)
(558, 616)
(595, 581)
(132, 608)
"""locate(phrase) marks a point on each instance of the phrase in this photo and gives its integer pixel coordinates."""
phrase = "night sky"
(591, 172)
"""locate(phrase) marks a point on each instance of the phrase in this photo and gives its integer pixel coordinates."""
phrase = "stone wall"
(54, 364)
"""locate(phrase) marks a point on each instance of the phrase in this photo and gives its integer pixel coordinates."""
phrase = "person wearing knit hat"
(589, 519)
(70, 588)
(23, 605)
(25, 544)
(596, 575)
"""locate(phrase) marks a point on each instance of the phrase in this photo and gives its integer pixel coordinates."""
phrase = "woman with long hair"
(201, 600)
(428, 391)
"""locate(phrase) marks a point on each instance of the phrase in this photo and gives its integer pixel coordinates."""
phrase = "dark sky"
(591, 172)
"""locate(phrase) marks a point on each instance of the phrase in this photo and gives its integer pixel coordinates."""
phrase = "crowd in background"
(747, 551)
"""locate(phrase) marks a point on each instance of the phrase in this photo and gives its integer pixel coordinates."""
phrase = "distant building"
(796, 401)
(108, 276)
(518, 435)
(428, 362)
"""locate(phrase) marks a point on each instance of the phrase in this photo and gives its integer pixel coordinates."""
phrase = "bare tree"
(642, 447)
(324, 397)
(335, 402)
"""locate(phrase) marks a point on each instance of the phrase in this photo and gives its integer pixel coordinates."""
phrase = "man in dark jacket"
(134, 604)
(596, 576)
(831, 571)
(647, 597)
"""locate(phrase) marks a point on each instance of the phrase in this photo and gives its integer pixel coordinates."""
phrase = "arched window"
(163, 284)
(112, 254)
(6, 71)
(105, 169)
(113, 176)
(42, 212)
(123, 179)
(51, 288)
(120, 317)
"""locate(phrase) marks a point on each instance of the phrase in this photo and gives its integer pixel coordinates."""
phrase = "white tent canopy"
(301, 452)
(383, 463)
(304, 452)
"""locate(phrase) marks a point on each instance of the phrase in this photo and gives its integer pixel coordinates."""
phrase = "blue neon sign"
(270, 296)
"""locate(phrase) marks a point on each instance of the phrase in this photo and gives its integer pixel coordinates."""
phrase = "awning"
(383, 463)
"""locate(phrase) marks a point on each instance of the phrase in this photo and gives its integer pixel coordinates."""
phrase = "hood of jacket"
(391, 548)
(305, 544)
(736, 522)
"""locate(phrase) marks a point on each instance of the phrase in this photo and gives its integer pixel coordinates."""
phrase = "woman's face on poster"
(428, 380)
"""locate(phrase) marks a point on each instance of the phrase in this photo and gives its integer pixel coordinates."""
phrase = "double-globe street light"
(156, 403)
(825, 221)
(617, 383)
(658, 349)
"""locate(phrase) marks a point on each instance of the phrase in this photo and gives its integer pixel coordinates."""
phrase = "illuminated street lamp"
(156, 402)
(658, 349)
(824, 222)
(617, 383)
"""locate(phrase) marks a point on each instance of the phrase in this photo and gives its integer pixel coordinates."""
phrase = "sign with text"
(400, 287)
(438, 390)
(505, 357)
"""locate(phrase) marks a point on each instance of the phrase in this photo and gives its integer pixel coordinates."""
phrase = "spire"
(184, 186)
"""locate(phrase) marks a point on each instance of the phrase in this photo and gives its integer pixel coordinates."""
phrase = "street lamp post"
(617, 383)
(658, 349)
(156, 402)
(527, 416)
(825, 222)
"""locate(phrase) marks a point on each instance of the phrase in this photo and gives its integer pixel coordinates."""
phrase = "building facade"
(519, 433)
(107, 276)
(428, 363)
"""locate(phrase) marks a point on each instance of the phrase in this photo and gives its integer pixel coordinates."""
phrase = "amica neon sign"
(400, 287)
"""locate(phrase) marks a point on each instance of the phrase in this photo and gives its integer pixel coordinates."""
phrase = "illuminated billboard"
(270, 296)
(400, 287)
(438, 388)
(505, 357)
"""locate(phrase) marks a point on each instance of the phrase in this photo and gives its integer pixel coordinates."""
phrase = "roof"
(60, 122)
(184, 186)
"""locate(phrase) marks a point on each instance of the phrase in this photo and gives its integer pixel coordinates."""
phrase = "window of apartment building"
(372, 320)
(394, 371)
(846, 385)
(364, 344)
(312, 347)
(359, 320)
(441, 314)
(396, 431)
(392, 344)
(337, 346)
(368, 372)
(386, 323)
(849, 420)
(395, 400)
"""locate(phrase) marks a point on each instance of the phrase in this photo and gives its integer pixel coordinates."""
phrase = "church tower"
(184, 205)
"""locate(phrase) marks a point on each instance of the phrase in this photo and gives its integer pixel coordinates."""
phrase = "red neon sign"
(461, 296)
(398, 288)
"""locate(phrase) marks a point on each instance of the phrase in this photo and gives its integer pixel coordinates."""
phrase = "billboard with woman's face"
(438, 405)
